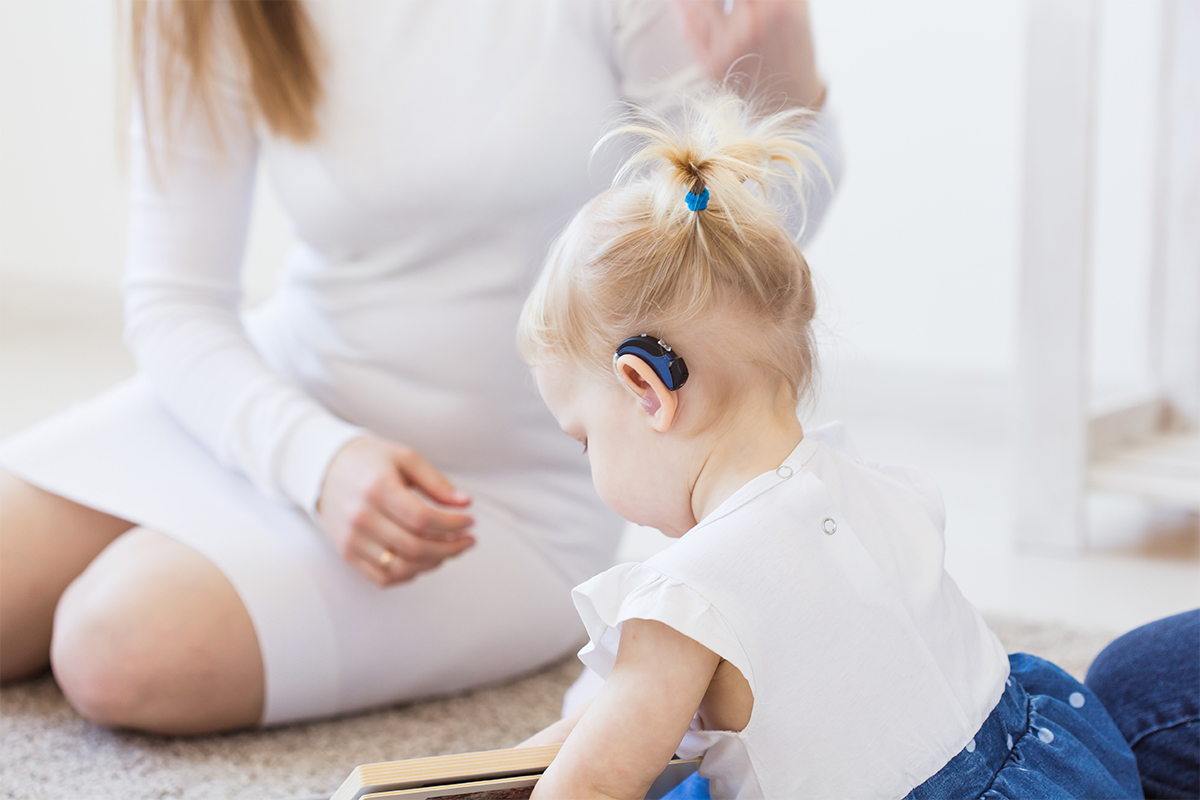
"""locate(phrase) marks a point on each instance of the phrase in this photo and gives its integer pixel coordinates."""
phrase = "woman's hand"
(370, 507)
(721, 32)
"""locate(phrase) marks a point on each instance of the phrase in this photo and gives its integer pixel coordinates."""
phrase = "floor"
(47, 751)
(59, 345)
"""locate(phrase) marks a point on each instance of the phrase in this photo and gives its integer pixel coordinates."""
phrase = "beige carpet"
(47, 751)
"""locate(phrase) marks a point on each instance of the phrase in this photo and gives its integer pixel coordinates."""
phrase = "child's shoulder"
(825, 474)
(825, 491)
(855, 479)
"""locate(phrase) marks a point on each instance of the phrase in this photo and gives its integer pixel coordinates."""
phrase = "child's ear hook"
(667, 365)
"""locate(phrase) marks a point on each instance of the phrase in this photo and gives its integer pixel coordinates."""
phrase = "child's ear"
(659, 402)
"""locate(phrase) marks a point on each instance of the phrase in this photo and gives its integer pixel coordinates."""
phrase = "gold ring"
(386, 558)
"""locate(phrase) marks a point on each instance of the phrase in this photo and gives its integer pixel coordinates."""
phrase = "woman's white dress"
(454, 142)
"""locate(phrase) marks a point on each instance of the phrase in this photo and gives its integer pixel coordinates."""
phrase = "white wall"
(63, 108)
(62, 215)
(1126, 113)
(918, 258)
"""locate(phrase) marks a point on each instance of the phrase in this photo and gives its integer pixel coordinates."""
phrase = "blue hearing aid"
(667, 365)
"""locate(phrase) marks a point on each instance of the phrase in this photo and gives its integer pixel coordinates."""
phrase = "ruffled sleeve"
(638, 591)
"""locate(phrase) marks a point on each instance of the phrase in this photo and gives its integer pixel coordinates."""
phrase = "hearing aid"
(668, 365)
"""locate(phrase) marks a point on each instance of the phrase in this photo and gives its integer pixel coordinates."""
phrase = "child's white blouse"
(823, 582)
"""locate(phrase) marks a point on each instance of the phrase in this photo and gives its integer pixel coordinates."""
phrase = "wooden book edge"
(460, 767)
(389, 776)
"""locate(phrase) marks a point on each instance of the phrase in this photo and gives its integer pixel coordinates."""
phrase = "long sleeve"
(656, 68)
(182, 293)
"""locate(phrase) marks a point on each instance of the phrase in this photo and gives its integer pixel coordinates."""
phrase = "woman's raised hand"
(775, 32)
(370, 507)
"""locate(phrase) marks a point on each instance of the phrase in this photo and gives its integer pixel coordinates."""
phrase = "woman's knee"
(102, 651)
(149, 635)
(1146, 668)
(93, 656)
(1149, 681)
(45, 542)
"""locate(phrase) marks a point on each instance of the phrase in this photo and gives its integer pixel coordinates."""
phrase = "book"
(489, 775)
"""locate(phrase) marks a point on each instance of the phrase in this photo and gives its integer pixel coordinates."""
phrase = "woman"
(1149, 681)
(351, 495)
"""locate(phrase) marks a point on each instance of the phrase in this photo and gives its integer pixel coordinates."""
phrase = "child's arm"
(557, 732)
(632, 728)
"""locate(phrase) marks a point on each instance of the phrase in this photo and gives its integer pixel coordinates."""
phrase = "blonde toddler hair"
(729, 281)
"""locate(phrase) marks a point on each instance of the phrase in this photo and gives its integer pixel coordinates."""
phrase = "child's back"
(822, 582)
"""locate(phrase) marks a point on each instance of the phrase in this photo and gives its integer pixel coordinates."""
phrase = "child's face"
(639, 472)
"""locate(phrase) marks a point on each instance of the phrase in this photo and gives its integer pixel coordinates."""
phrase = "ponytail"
(693, 226)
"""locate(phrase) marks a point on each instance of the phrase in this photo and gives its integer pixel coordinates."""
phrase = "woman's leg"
(148, 633)
(1149, 681)
(153, 636)
(45, 542)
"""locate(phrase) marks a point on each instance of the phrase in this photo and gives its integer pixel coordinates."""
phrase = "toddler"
(802, 634)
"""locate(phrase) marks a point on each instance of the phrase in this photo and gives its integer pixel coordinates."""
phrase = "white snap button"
(784, 472)
(829, 526)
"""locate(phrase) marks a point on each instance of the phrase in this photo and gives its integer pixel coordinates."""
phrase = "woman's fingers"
(405, 508)
(369, 504)
(418, 472)
(409, 556)
(696, 19)
(409, 545)
(369, 565)
(417, 549)
(775, 32)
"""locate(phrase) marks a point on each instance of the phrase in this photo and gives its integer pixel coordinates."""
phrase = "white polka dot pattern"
(1046, 735)
(971, 746)
(1076, 700)
(1008, 741)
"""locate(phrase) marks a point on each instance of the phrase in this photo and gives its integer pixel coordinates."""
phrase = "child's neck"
(757, 443)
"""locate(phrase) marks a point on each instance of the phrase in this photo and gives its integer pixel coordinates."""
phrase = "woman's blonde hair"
(637, 259)
(273, 39)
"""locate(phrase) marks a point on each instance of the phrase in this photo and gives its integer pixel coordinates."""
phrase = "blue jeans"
(1049, 738)
(1149, 680)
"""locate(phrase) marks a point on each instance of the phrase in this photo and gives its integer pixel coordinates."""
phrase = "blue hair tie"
(697, 202)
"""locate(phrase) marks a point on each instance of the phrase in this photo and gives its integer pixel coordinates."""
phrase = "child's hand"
(777, 32)
(371, 510)
(632, 728)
